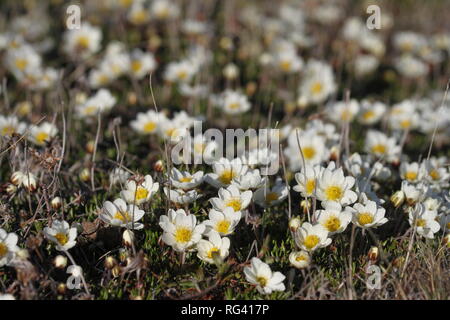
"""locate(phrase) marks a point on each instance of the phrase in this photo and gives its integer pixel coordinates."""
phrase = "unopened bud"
(110, 262)
(23, 254)
(158, 166)
(132, 98)
(61, 288)
(334, 153)
(398, 198)
(128, 238)
(60, 262)
(85, 175)
(115, 271)
(294, 224)
(123, 254)
(10, 189)
(446, 241)
(56, 203)
(231, 71)
(305, 205)
(90, 146)
(373, 254)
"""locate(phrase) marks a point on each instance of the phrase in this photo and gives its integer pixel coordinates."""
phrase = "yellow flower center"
(317, 88)
(226, 176)
(83, 42)
(186, 179)
(434, 174)
(136, 65)
(234, 106)
(300, 257)
(3, 250)
(182, 74)
(271, 196)
(310, 186)
(212, 251)
(308, 152)
(411, 175)
(368, 115)
(421, 223)
(141, 193)
(379, 148)
(90, 109)
(234, 203)
(41, 137)
(223, 226)
(139, 17)
(61, 238)
(262, 281)
(334, 193)
(285, 65)
(21, 64)
(405, 124)
(8, 130)
(365, 218)
(332, 224)
(183, 235)
(123, 216)
(149, 126)
(311, 241)
(172, 132)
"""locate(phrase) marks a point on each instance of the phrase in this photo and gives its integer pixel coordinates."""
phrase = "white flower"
(224, 222)
(8, 247)
(182, 71)
(313, 149)
(411, 67)
(101, 102)
(138, 193)
(404, 116)
(318, 82)
(23, 62)
(435, 173)
(142, 63)
(378, 144)
(148, 122)
(332, 185)
(181, 230)
(82, 42)
(269, 196)
(214, 246)
(333, 218)
(61, 234)
(424, 221)
(288, 61)
(371, 112)
(414, 193)
(266, 281)
(300, 259)
(164, 9)
(203, 149)
(232, 197)
(224, 171)
(411, 172)
(249, 181)
(10, 125)
(311, 237)
(180, 196)
(307, 180)
(119, 214)
(184, 180)
(233, 102)
(40, 134)
(368, 215)
(343, 111)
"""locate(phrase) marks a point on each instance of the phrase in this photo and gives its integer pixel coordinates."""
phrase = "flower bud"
(373, 254)
(294, 224)
(90, 146)
(305, 205)
(23, 254)
(110, 262)
(132, 98)
(128, 238)
(398, 198)
(123, 254)
(10, 189)
(61, 288)
(231, 71)
(158, 166)
(446, 241)
(85, 175)
(56, 203)
(17, 178)
(115, 271)
(60, 262)
(23, 108)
